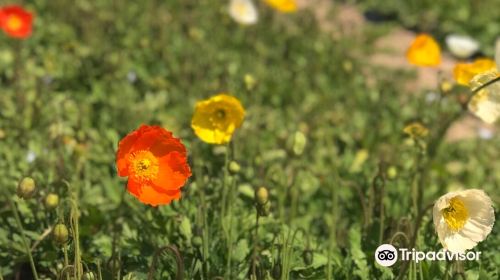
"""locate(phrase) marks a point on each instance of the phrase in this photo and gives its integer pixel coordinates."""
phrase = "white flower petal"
(461, 46)
(477, 227)
(243, 11)
(485, 104)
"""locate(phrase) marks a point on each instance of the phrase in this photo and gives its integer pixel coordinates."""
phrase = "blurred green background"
(95, 70)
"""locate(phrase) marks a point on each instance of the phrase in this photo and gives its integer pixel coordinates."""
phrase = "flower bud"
(277, 270)
(261, 195)
(264, 210)
(60, 233)
(51, 201)
(307, 256)
(26, 188)
(234, 167)
(197, 241)
(88, 276)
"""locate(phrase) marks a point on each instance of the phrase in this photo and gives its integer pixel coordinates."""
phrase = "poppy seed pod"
(26, 188)
(51, 201)
(261, 195)
(60, 233)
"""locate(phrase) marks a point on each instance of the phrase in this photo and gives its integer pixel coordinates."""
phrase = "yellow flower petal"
(464, 72)
(424, 51)
(285, 6)
(416, 130)
(215, 119)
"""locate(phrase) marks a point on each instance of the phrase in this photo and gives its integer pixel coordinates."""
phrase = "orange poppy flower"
(155, 163)
(424, 51)
(16, 22)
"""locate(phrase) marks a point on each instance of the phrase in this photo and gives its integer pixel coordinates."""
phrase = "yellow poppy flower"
(463, 219)
(285, 6)
(416, 130)
(424, 51)
(464, 72)
(215, 119)
(485, 104)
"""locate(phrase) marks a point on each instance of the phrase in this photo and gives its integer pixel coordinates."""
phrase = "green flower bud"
(261, 195)
(277, 270)
(51, 201)
(307, 256)
(197, 241)
(264, 210)
(26, 188)
(88, 276)
(234, 167)
(60, 233)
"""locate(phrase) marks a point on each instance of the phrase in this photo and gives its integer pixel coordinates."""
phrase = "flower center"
(220, 114)
(144, 166)
(14, 22)
(456, 214)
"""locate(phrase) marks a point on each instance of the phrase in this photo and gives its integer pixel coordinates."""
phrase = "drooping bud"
(26, 188)
(307, 256)
(60, 233)
(277, 270)
(51, 201)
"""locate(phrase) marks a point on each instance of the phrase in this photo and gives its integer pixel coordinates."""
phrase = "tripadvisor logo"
(388, 255)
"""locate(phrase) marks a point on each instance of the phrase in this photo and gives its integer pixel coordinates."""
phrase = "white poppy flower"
(243, 11)
(462, 219)
(485, 104)
(461, 46)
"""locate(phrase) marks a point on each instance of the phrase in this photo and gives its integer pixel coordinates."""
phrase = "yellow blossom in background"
(416, 130)
(463, 218)
(424, 51)
(285, 6)
(215, 119)
(485, 103)
(464, 72)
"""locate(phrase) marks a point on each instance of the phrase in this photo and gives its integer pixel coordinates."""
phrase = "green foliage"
(316, 134)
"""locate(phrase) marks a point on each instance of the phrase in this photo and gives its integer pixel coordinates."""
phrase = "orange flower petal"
(173, 172)
(16, 22)
(124, 149)
(150, 195)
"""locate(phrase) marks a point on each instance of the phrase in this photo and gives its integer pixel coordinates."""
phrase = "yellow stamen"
(455, 214)
(14, 22)
(144, 166)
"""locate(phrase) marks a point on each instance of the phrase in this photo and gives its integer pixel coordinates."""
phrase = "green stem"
(23, 237)
(203, 212)
(66, 262)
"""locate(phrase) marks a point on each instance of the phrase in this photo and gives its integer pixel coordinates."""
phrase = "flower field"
(249, 139)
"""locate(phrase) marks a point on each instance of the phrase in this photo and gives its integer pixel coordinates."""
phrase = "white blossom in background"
(485, 133)
(243, 11)
(30, 156)
(461, 46)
